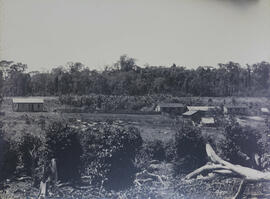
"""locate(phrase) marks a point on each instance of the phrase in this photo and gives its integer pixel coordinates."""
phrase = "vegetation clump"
(108, 154)
(190, 148)
(126, 78)
(244, 146)
(62, 144)
(8, 157)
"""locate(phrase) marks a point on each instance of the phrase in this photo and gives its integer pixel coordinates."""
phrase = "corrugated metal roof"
(236, 106)
(33, 100)
(257, 118)
(200, 108)
(265, 110)
(207, 120)
(171, 105)
(188, 113)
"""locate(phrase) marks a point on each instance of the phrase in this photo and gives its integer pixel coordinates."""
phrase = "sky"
(191, 33)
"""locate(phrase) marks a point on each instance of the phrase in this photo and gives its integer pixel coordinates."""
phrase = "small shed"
(193, 115)
(201, 108)
(171, 108)
(28, 104)
(236, 110)
(208, 121)
(265, 111)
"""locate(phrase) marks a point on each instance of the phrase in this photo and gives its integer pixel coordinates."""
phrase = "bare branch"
(241, 190)
(247, 173)
(223, 167)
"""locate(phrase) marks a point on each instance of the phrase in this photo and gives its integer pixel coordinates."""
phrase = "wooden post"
(54, 171)
(43, 190)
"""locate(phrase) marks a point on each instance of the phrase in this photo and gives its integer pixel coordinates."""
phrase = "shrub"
(8, 157)
(62, 143)
(155, 150)
(29, 153)
(241, 145)
(170, 150)
(109, 153)
(190, 148)
(20, 157)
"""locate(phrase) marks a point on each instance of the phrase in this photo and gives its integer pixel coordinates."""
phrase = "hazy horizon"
(48, 33)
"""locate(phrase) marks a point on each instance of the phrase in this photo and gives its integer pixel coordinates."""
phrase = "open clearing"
(152, 127)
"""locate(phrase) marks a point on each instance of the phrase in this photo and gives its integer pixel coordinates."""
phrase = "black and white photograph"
(134, 99)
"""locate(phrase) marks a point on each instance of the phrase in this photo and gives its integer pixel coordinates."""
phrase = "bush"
(158, 150)
(170, 150)
(62, 143)
(29, 153)
(241, 145)
(20, 157)
(155, 150)
(190, 148)
(8, 158)
(120, 103)
(108, 154)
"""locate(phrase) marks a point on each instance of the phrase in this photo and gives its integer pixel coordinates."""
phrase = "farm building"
(171, 108)
(28, 104)
(208, 121)
(238, 110)
(201, 108)
(265, 111)
(193, 115)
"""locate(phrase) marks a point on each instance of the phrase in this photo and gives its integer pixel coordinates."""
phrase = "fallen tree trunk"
(220, 166)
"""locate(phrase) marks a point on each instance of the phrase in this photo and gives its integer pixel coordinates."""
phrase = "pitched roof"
(265, 110)
(207, 120)
(33, 100)
(188, 113)
(200, 108)
(171, 105)
(256, 118)
(236, 106)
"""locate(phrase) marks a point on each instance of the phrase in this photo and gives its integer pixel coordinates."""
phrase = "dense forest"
(126, 78)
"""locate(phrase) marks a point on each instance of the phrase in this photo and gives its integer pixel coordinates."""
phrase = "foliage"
(241, 145)
(108, 154)
(190, 147)
(1, 87)
(21, 157)
(16, 82)
(155, 150)
(126, 78)
(170, 150)
(8, 158)
(123, 103)
(29, 151)
(62, 143)
(105, 152)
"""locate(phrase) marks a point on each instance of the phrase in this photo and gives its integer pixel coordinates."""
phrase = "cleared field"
(151, 126)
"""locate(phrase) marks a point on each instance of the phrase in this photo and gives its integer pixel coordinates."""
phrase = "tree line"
(125, 77)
